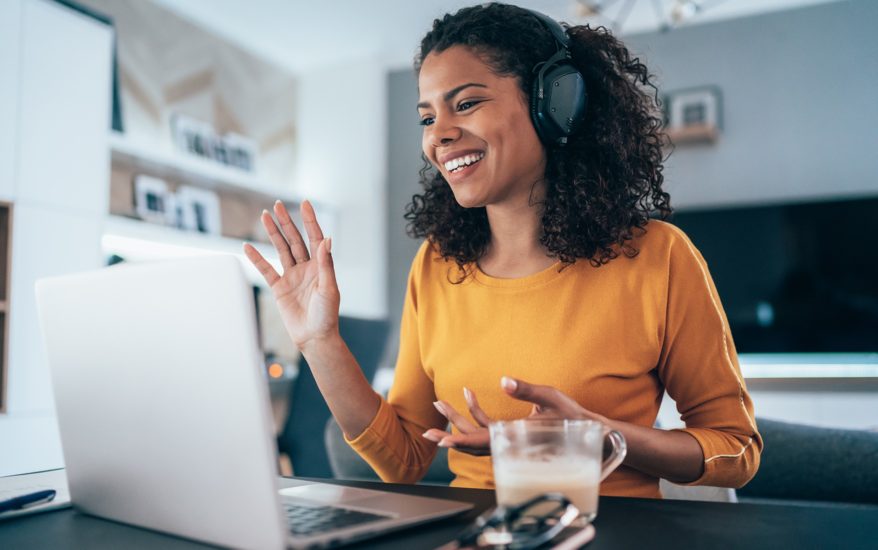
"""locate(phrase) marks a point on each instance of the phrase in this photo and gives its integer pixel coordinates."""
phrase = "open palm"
(306, 292)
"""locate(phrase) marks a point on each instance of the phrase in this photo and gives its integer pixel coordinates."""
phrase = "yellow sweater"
(614, 338)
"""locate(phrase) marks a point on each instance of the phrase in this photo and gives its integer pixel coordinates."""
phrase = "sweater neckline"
(540, 277)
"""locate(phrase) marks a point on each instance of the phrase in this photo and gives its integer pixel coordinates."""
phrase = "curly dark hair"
(603, 184)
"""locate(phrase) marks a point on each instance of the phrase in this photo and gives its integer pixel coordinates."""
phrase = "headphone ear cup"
(561, 110)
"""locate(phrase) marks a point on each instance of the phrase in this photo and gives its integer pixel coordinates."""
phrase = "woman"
(542, 288)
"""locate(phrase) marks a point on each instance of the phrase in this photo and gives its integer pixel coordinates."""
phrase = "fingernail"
(265, 212)
(329, 244)
(468, 395)
(508, 383)
(278, 201)
(445, 443)
(439, 407)
(426, 435)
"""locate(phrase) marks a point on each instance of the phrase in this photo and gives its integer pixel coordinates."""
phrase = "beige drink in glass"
(533, 457)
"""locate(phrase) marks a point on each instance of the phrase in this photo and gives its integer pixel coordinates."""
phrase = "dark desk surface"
(621, 523)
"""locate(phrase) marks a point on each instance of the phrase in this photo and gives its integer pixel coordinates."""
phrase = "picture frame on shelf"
(240, 151)
(693, 115)
(194, 137)
(199, 210)
(153, 201)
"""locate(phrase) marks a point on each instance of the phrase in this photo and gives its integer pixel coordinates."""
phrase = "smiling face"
(477, 130)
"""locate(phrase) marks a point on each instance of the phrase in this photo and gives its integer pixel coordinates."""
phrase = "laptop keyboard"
(312, 520)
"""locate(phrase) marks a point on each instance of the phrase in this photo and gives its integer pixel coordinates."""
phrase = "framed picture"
(693, 115)
(199, 138)
(153, 201)
(199, 210)
(193, 136)
(240, 151)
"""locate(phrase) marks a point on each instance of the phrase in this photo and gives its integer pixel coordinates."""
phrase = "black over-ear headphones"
(559, 97)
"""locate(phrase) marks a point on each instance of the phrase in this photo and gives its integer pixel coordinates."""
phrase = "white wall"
(799, 110)
(342, 140)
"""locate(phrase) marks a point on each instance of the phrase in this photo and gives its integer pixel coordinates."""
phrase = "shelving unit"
(136, 240)
(191, 169)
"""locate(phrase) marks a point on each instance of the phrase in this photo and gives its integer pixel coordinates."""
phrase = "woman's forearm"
(672, 455)
(348, 394)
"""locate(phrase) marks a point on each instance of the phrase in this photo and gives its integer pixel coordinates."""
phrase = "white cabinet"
(10, 47)
(65, 103)
(55, 65)
(45, 242)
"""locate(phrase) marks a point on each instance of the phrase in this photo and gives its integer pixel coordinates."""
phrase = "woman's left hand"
(547, 401)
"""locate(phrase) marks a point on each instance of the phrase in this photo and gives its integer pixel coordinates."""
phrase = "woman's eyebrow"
(453, 92)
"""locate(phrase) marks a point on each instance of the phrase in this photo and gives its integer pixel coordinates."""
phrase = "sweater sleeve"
(699, 368)
(392, 443)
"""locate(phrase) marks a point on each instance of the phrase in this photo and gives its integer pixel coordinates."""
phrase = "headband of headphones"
(553, 27)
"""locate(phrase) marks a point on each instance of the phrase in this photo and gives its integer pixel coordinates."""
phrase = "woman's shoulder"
(428, 259)
(428, 252)
(659, 234)
(661, 241)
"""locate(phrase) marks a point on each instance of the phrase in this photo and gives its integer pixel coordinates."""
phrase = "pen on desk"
(26, 501)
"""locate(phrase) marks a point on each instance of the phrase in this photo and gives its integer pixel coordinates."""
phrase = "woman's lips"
(463, 172)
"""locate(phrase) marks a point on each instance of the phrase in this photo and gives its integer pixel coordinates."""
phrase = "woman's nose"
(444, 132)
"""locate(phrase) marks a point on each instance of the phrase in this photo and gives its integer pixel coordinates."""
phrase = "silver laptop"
(165, 419)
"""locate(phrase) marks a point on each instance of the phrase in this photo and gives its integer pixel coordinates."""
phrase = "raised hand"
(306, 292)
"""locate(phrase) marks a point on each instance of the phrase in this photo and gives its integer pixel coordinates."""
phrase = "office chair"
(302, 436)
(802, 462)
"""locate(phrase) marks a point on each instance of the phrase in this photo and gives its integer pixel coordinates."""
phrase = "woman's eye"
(464, 105)
(426, 121)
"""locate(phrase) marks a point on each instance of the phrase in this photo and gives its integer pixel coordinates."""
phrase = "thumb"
(326, 268)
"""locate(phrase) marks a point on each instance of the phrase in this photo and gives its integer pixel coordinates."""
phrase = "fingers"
(278, 240)
(261, 264)
(543, 397)
(475, 410)
(475, 443)
(309, 220)
(459, 421)
(435, 435)
(326, 281)
(291, 233)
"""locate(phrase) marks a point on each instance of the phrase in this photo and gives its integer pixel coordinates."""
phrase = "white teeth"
(465, 160)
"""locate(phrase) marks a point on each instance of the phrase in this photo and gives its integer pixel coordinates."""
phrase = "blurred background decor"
(693, 115)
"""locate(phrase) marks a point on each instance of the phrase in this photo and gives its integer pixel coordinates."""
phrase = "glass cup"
(532, 457)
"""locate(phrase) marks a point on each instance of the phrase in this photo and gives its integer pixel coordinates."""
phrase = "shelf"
(191, 169)
(136, 240)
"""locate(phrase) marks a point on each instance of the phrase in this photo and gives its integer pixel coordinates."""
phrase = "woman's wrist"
(322, 345)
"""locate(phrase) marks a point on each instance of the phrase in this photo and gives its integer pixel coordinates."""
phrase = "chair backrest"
(811, 463)
(302, 436)
(672, 491)
(347, 464)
